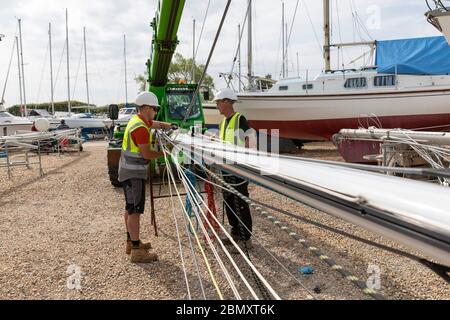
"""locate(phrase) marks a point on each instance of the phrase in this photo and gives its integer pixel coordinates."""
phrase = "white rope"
(253, 236)
(219, 240)
(179, 241)
(264, 281)
(219, 260)
(194, 256)
(198, 242)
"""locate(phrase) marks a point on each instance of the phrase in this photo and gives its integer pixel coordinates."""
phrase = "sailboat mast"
(20, 76)
(287, 45)
(239, 63)
(51, 68)
(283, 40)
(68, 68)
(250, 47)
(125, 60)
(23, 69)
(86, 68)
(193, 54)
(327, 39)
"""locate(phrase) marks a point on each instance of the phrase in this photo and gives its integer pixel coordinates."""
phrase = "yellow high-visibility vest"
(132, 164)
(230, 134)
(128, 143)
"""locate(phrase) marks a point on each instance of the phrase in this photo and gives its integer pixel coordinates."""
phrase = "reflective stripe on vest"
(132, 164)
(230, 134)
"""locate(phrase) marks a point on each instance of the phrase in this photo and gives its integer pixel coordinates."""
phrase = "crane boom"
(174, 98)
(165, 27)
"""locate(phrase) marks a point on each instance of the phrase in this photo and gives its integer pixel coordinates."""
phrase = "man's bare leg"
(125, 217)
(133, 221)
(139, 253)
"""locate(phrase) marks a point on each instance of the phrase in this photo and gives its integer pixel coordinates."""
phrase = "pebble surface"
(62, 237)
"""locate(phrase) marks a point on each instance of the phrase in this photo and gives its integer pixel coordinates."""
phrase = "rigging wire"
(292, 24)
(274, 294)
(234, 191)
(278, 54)
(203, 26)
(59, 67)
(44, 64)
(188, 186)
(229, 237)
(339, 32)
(290, 32)
(180, 247)
(208, 266)
(194, 96)
(190, 190)
(220, 242)
(248, 230)
(76, 74)
(240, 39)
(2, 100)
(413, 171)
(194, 256)
(313, 27)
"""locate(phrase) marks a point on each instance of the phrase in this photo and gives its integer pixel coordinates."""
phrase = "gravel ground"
(68, 226)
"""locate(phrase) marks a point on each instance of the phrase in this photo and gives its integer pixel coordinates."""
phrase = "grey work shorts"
(134, 190)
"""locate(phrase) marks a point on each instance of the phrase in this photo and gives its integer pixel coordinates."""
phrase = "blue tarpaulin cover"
(422, 56)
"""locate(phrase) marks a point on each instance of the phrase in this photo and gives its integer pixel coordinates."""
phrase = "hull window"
(384, 81)
(356, 83)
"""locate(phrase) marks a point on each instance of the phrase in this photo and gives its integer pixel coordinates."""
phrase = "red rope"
(212, 206)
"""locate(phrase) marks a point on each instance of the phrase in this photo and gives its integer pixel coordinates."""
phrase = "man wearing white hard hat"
(234, 129)
(133, 171)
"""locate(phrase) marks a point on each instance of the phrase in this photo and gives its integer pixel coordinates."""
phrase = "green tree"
(181, 69)
(59, 106)
(141, 80)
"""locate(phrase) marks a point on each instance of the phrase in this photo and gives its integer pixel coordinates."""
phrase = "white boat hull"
(319, 117)
(212, 115)
(11, 129)
(88, 123)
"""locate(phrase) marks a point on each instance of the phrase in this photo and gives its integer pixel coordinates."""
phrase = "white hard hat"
(226, 94)
(147, 99)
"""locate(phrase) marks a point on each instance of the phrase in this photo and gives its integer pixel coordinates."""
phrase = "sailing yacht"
(10, 124)
(408, 88)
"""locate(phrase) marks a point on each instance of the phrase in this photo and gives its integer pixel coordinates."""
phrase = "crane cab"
(175, 102)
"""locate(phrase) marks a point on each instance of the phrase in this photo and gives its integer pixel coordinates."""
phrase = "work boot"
(227, 242)
(143, 245)
(244, 245)
(140, 255)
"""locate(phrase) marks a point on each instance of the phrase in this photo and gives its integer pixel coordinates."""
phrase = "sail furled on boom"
(419, 56)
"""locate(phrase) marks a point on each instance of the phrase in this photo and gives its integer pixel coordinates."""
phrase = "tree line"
(180, 70)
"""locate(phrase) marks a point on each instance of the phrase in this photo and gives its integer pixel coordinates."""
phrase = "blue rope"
(193, 181)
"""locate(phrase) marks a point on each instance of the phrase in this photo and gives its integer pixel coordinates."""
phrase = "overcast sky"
(107, 21)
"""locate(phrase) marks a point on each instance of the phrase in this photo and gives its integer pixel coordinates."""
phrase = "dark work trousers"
(240, 208)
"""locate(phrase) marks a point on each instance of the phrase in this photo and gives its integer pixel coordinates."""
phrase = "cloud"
(107, 21)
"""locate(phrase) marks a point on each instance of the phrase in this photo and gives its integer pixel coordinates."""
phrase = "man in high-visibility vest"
(234, 129)
(133, 171)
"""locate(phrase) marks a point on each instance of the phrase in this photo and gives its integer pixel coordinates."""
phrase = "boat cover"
(421, 56)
